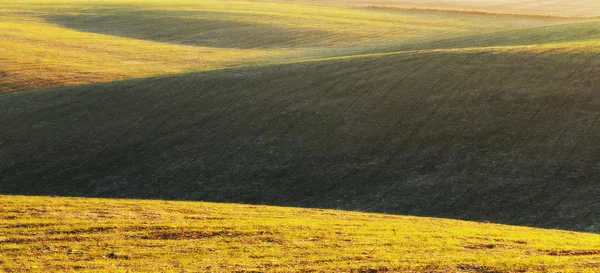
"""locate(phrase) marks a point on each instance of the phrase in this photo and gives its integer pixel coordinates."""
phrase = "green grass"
(474, 116)
(51, 234)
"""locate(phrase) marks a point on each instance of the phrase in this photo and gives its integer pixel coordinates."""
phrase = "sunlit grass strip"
(36, 54)
(42, 234)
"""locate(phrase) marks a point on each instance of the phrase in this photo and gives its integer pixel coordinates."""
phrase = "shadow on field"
(508, 137)
(198, 28)
(588, 31)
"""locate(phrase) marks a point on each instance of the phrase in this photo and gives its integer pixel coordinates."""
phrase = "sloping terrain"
(373, 106)
(499, 132)
(68, 42)
(50, 234)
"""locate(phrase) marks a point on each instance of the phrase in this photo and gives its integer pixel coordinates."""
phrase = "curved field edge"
(497, 135)
(112, 40)
(42, 234)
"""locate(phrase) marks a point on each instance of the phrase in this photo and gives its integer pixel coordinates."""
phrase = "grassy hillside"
(311, 104)
(67, 42)
(498, 132)
(470, 116)
(49, 234)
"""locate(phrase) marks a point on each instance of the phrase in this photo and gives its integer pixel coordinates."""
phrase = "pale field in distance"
(587, 8)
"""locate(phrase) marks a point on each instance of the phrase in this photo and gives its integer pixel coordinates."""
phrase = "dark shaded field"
(192, 28)
(507, 136)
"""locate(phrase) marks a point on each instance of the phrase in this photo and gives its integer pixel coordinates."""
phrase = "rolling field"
(69, 42)
(501, 133)
(49, 234)
(372, 107)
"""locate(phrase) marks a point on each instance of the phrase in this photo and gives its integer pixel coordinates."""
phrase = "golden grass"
(52, 234)
(38, 54)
